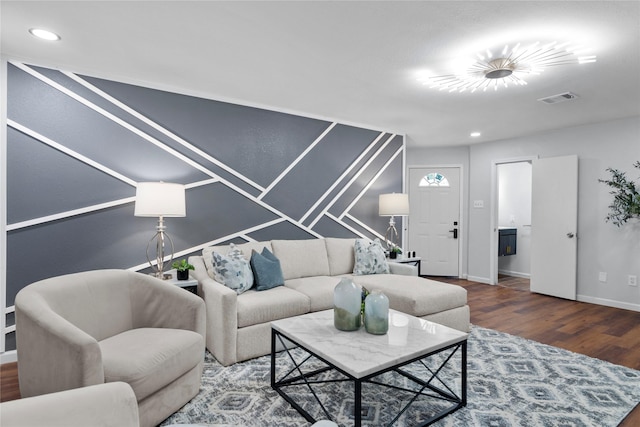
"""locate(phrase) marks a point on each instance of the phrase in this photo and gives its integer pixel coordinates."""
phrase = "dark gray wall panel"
(111, 238)
(254, 143)
(215, 211)
(47, 111)
(42, 181)
(258, 143)
(281, 230)
(316, 173)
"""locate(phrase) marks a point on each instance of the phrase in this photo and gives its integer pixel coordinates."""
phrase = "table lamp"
(395, 204)
(160, 199)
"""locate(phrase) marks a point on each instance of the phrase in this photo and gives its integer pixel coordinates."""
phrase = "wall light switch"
(632, 280)
(602, 276)
(478, 203)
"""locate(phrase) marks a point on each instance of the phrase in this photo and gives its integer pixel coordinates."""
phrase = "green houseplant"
(626, 199)
(182, 269)
(394, 252)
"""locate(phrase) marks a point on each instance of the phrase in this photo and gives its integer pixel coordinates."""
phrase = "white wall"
(601, 245)
(514, 210)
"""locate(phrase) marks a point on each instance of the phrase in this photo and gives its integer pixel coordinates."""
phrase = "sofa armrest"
(222, 314)
(108, 405)
(403, 269)
(54, 354)
(157, 304)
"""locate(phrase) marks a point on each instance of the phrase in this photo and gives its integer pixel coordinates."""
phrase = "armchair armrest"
(54, 354)
(107, 405)
(222, 314)
(156, 304)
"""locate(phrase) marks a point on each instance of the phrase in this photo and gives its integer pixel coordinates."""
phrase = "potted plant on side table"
(394, 252)
(182, 269)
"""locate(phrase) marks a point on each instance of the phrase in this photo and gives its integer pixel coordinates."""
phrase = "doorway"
(514, 224)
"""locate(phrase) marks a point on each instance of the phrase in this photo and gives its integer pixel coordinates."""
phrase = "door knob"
(570, 235)
(455, 233)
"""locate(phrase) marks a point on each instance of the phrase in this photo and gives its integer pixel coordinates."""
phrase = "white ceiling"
(351, 61)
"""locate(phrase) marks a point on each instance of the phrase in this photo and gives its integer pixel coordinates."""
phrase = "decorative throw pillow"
(266, 270)
(370, 258)
(232, 270)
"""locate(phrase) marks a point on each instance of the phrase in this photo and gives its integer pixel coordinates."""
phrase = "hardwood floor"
(605, 333)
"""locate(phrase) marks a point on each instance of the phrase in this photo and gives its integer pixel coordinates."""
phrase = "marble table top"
(359, 353)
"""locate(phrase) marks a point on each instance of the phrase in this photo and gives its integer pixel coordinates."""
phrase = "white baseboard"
(515, 274)
(480, 279)
(608, 303)
(8, 356)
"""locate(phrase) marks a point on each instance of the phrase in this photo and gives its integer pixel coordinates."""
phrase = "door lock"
(570, 235)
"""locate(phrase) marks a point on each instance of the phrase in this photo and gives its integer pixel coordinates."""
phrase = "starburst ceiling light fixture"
(509, 66)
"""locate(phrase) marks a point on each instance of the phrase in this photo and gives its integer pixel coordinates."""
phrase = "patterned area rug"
(511, 382)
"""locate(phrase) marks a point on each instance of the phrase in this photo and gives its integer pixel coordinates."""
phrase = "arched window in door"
(434, 179)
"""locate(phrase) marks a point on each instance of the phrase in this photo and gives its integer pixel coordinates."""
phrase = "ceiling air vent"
(555, 99)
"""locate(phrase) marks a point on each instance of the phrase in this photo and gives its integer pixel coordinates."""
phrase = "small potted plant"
(182, 269)
(394, 252)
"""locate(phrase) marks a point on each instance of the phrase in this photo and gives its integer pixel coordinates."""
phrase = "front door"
(434, 219)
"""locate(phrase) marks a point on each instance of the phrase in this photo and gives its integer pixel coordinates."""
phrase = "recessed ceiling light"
(475, 134)
(44, 34)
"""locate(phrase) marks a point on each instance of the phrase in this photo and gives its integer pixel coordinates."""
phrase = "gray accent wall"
(77, 145)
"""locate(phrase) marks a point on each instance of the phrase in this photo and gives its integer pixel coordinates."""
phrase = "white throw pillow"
(370, 258)
(232, 270)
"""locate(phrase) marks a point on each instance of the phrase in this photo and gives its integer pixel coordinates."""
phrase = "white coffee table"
(360, 356)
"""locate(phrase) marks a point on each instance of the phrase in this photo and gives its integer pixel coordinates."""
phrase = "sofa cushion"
(302, 258)
(267, 272)
(369, 258)
(246, 249)
(233, 270)
(154, 357)
(278, 303)
(340, 253)
(415, 295)
(319, 289)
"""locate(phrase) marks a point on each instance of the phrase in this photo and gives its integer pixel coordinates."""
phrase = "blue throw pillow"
(266, 270)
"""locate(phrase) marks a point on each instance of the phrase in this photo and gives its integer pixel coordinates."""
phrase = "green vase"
(346, 305)
(376, 313)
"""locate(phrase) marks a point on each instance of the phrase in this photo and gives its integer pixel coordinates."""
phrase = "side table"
(415, 261)
(190, 284)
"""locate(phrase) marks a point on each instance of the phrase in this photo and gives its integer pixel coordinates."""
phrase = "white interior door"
(434, 219)
(554, 224)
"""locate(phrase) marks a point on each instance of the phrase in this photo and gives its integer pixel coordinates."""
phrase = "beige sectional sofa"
(238, 326)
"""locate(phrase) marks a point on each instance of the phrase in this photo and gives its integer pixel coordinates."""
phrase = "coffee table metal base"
(426, 388)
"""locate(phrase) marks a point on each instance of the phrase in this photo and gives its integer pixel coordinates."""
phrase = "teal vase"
(347, 300)
(376, 313)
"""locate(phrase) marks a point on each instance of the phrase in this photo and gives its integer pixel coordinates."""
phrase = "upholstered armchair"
(102, 405)
(105, 326)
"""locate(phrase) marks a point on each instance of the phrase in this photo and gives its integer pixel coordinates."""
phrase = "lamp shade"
(160, 199)
(395, 204)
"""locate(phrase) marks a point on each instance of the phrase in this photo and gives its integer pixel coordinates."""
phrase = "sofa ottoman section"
(415, 295)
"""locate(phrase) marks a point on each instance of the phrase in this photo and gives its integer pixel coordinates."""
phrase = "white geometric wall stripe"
(313, 178)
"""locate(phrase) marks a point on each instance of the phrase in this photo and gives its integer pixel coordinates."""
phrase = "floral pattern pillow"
(370, 258)
(233, 270)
